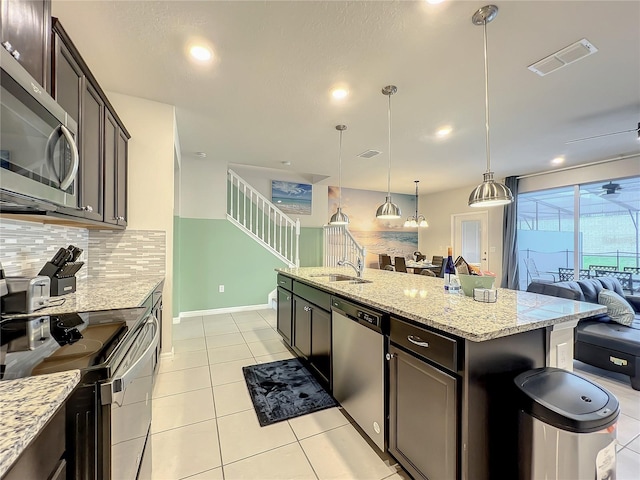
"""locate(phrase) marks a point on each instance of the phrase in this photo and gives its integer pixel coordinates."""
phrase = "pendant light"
(489, 193)
(339, 218)
(388, 209)
(417, 220)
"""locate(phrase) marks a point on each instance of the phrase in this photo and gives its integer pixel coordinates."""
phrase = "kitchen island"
(452, 412)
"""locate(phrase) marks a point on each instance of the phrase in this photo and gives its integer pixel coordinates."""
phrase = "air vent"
(563, 57)
(369, 153)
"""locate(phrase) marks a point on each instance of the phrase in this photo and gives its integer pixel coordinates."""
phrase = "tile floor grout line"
(179, 393)
(215, 412)
(304, 452)
(185, 425)
(259, 453)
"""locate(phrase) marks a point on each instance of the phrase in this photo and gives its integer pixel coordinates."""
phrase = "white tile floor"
(204, 425)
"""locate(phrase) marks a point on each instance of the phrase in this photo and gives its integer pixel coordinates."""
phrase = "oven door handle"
(113, 391)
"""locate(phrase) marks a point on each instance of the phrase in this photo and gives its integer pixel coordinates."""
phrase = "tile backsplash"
(26, 246)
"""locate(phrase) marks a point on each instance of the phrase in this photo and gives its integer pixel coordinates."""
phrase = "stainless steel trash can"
(567, 427)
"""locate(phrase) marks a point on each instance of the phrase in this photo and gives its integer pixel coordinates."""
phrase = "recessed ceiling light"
(339, 93)
(434, 2)
(201, 154)
(286, 163)
(444, 131)
(200, 53)
(557, 161)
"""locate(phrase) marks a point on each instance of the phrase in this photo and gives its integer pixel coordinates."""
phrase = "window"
(569, 231)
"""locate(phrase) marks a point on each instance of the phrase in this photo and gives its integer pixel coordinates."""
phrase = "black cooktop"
(40, 344)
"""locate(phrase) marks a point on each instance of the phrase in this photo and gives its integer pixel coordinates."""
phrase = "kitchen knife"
(75, 251)
(60, 257)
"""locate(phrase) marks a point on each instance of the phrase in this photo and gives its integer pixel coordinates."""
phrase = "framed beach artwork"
(292, 198)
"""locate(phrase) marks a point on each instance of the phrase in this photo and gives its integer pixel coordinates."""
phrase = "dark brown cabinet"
(422, 417)
(102, 138)
(25, 27)
(302, 327)
(321, 342)
(285, 314)
(91, 136)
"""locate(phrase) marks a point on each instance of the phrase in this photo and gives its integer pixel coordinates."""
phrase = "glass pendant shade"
(489, 193)
(389, 210)
(339, 218)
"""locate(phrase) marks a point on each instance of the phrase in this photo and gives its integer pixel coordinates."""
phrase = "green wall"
(216, 252)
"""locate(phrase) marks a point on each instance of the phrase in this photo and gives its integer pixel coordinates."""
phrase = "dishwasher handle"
(113, 391)
(417, 341)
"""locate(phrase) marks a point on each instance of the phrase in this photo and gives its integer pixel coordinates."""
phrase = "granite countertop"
(26, 405)
(103, 294)
(422, 299)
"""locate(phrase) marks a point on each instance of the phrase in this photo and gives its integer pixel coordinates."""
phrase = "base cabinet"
(423, 417)
(285, 314)
(302, 327)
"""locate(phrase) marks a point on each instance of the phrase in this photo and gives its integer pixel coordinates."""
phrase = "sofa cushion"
(569, 290)
(617, 307)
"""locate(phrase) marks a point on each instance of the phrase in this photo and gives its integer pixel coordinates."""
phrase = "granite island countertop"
(26, 405)
(422, 299)
(103, 294)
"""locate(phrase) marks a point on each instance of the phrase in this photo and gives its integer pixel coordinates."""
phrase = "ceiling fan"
(610, 189)
(637, 130)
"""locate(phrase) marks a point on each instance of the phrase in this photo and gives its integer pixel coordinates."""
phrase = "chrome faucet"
(358, 267)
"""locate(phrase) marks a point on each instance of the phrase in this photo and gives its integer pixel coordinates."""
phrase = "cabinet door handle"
(389, 356)
(8, 47)
(288, 297)
(418, 341)
(88, 208)
(16, 54)
(307, 309)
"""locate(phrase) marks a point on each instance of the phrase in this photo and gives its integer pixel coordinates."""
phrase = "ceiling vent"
(563, 57)
(369, 153)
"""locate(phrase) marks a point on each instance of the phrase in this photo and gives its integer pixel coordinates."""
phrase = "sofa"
(599, 341)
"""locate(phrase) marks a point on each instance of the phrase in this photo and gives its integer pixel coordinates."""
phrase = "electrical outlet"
(221, 288)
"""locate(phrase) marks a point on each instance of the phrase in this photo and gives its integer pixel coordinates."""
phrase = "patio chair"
(632, 269)
(535, 275)
(609, 268)
(623, 277)
(566, 274)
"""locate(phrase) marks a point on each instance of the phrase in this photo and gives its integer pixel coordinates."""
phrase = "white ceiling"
(265, 100)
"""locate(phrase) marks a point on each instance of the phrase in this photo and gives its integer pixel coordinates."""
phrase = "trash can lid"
(566, 400)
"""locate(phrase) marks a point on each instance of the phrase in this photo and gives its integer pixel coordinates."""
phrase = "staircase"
(339, 244)
(256, 216)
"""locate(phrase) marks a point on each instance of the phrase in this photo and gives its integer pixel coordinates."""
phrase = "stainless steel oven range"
(109, 413)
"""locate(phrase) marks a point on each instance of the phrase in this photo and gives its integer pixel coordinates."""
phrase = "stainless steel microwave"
(38, 152)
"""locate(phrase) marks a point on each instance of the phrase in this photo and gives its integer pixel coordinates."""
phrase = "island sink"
(337, 277)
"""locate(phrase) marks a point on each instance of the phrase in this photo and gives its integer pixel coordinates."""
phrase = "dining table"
(417, 267)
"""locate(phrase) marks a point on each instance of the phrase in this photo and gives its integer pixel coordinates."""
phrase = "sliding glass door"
(573, 232)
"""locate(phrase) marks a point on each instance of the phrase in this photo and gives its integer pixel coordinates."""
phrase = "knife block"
(62, 286)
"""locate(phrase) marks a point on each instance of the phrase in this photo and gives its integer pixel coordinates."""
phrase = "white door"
(471, 237)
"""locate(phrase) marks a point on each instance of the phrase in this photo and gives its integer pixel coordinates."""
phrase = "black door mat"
(284, 389)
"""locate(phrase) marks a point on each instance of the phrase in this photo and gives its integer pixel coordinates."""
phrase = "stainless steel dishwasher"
(358, 363)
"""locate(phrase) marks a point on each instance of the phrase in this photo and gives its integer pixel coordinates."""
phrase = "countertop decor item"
(489, 193)
(339, 218)
(417, 220)
(389, 210)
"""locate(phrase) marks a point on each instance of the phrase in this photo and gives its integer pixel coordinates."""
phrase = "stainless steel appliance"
(26, 294)
(38, 152)
(358, 362)
(108, 416)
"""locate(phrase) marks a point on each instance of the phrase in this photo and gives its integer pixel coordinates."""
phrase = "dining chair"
(420, 257)
(400, 264)
(537, 276)
(384, 260)
(428, 273)
(566, 274)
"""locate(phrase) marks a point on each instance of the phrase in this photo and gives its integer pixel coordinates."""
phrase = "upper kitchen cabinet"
(25, 34)
(102, 138)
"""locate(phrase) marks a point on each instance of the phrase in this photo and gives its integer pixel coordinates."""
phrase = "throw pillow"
(617, 307)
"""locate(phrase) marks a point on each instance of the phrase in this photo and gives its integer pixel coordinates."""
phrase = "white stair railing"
(250, 211)
(339, 244)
